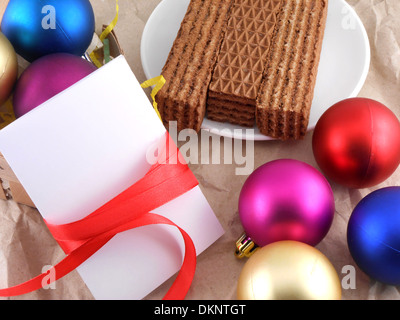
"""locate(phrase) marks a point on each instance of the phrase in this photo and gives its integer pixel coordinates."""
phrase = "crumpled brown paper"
(26, 245)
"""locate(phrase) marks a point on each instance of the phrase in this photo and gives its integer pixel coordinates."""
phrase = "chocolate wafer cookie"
(287, 90)
(241, 61)
(190, 63)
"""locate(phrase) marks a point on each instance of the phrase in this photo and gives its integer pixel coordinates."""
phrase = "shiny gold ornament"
(288, 270)
(8, 68)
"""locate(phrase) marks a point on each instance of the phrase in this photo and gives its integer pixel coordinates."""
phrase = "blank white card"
(85, 146)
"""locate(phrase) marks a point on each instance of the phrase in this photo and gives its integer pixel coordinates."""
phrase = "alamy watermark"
(348, 277)
(49, 280)
(209, 146)
(349, 21)
(49, 20)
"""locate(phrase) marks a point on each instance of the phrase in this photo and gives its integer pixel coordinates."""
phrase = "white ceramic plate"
(343, 68)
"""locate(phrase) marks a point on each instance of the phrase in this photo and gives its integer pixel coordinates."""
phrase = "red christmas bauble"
(356, 143)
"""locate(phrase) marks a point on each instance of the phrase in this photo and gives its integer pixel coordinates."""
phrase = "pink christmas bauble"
(286, 200)
(46, 77)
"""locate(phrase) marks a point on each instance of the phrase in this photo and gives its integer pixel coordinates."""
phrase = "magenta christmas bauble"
(46, 77)
(286, 200)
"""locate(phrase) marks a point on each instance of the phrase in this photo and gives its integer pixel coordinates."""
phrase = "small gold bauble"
(8, 68)
(288, 270)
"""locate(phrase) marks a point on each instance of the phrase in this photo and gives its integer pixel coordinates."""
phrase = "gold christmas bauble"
(8, 68)
(288, 270)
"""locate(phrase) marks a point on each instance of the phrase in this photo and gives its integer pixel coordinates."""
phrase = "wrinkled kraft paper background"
(26, 245)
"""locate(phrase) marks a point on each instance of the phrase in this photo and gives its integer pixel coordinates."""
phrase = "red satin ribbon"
(165, 181)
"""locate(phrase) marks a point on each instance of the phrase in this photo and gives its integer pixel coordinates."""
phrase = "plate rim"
(258, 136)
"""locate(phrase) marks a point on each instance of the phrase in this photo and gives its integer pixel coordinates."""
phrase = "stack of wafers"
(287, 91)
(241, 62)
(245, 62)
(191, 62)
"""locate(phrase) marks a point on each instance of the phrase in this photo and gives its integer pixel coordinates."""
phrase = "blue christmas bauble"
(40, 27)
(373, 235)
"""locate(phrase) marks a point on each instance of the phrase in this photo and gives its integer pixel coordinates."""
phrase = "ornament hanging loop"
(245, 247)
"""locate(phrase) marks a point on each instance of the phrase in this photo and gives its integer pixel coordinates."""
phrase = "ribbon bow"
(164, 182)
